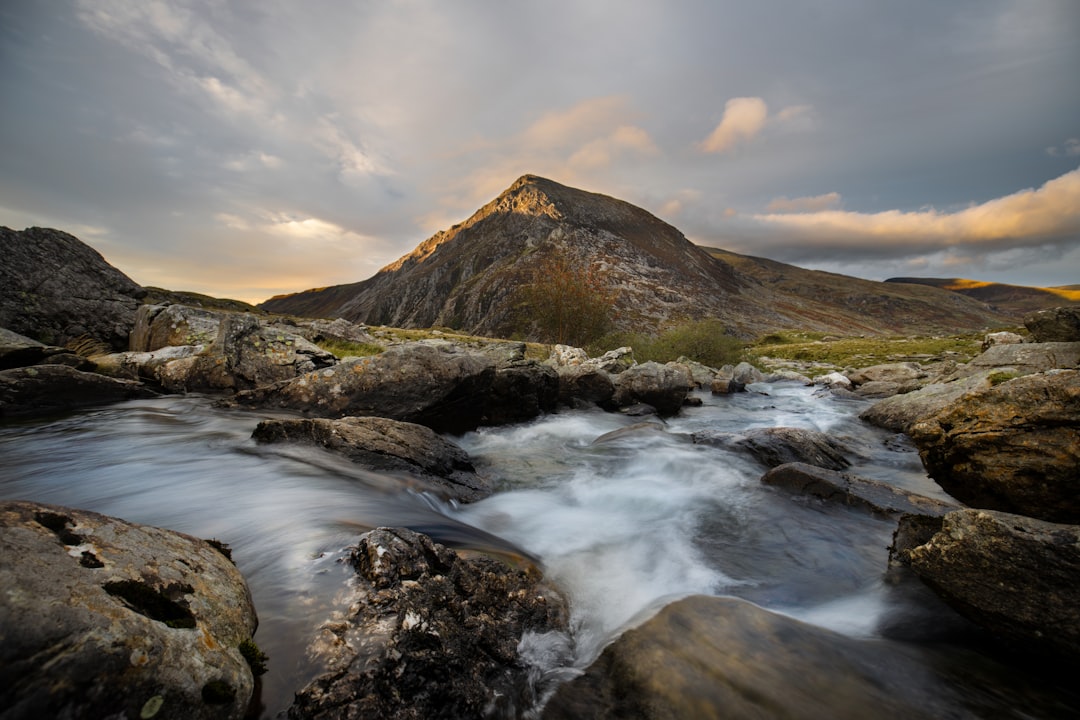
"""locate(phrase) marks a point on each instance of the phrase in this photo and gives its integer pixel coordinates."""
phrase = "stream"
(623, 518)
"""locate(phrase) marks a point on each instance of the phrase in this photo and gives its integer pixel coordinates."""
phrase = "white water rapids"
(622, 523)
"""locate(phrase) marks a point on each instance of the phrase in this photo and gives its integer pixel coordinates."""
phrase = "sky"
(246, 149)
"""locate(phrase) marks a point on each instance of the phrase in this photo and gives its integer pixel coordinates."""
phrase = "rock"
(1054, 325)
(899, 412)
(701, 376)
(662, 386)
(105, 618)
(721, 385)
(1001, 338)
(788, 376)
(386, 445)
(158, 326)
(746, 374)
(257, 355)
(20, 351)
(780, 445)
(1013, 447)
(615, 361)
(888, 379)
(338, 329)
(54, 288)
(853, 490)
(426, 633)
(584, 384)
(1025, 358)
(565, 356)
(833, 380)
(431, 383)
(47, 389)
(520, 391)
(876, 389)
(709, 657)
(1016, 576)
(155, 366)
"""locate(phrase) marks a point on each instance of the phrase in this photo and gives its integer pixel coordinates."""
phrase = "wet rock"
(584, 384)
(778, 446)
(708, 657)
(430, 383)
(722, 385)
(1016, 576)
(427, 633)
(1054, 325)
(387, 446)
(846, 489)
(662, 386)
(1013, 447)
(521, 390)
(105, 618)
(47, 389)
(54, 288)
(20, 351)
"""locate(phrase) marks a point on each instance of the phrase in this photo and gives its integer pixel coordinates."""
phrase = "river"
(622, 522)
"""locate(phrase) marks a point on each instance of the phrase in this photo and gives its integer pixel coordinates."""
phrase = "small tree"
(568, 304)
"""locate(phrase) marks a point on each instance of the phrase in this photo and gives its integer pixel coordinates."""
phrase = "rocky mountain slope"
(1002, 297)
(469, 277)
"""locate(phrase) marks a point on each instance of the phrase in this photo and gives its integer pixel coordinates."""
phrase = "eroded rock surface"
(47, 389)
(105, 618)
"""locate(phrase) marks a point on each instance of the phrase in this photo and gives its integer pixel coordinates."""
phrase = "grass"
(345, 348)
(829, 353)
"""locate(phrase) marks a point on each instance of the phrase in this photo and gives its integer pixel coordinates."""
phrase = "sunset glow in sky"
(247, 149)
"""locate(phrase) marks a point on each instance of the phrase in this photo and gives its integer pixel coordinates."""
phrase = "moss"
(996, 378)
(256, 658)
(222, 548)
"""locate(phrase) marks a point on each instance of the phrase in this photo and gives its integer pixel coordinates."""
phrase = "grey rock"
(852, 490)
(387, 445)
(55, 288)
(20, 351)
(158, 326)
(1025, 358)
(520, 391)
(746, 374)
(584, 384)
(47, 389)
(1054, 325)
(1001, 338)
(105, 618)
(427, 633)
(780, 445)
(663, 386)
(899, 412)
(1016, 576)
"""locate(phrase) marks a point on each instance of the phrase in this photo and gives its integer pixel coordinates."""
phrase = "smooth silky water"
(623, 518)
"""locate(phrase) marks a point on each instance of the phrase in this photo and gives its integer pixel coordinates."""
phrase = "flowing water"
(623, 517)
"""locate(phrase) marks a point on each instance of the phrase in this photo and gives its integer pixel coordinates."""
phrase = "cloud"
(1071, 149)
(1034, 217)
(817, 203)
(743, 119)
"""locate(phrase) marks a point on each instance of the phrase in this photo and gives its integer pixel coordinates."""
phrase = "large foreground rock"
(54, 288)
(900, 412)
(385, 445)
(1013, 447)
(47, 389)
(723, 658)
(1016, 576)
(103, 618)
(434, 384)
(429, 634)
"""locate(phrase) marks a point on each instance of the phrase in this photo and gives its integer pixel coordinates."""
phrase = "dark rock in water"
(1013, 447)
(780, 445)
(721, 385)
(105, 618)
(584, 384)
(54, 288)
(853, 490)
(20, 351)
(1016, 576)
(47, 389)
(1054, 325)
(664, 387)
(433, 384)
(520, 391)
(427, 633)
(708, 657)
(387, 445)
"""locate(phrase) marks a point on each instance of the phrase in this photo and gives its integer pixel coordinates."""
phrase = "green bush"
(704, 341)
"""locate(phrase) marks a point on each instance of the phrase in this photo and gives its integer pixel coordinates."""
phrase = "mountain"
(470, 276)
(1015, 300)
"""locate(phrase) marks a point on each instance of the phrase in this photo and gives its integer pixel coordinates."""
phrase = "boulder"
(566, 355)
(1054, 325)
(105, 618)
(158, 326)
(710, 657)
(520, 391)
(55, 288)
(20, 351)
(899, 412)
(701, 376)
(426, 633)
(1001, 338)
(1013, 447)
(833, 381)
(432, 383)
(47, 389)
(722, 385)
(1025, 358)
(1016, 576)
(780, 445)
(338, 329)
(154, 366)
(746, 374)
(846, 489)
(386, 445)
(584, 384)
(664, 387)
(257, 355)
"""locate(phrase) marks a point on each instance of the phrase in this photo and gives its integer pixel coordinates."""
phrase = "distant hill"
(468, 277)
(1016, 300)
